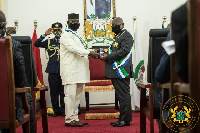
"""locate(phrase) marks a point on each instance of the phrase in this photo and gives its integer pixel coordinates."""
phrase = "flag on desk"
(38, 64)
(138, 69)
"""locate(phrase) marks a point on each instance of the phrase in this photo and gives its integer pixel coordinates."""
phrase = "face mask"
(116, 29)
(74, 26)
(57, 33)
(12, 34)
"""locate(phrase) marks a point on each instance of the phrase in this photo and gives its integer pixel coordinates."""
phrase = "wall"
(149, 15)
(2, 5)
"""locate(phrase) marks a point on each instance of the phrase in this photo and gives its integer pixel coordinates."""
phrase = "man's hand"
(48, 32)
(104, 57)
(94, 55)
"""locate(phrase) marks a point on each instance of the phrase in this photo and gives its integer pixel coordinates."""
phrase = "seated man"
(162, 73)
(19, 74)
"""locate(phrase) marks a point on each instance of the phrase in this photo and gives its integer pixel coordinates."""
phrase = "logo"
(180, 113)
(115, 45)
(57, 25)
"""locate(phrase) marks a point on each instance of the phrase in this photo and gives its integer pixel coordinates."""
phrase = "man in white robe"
(74, 69)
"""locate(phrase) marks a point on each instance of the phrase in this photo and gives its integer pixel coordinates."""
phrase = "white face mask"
(12, 34)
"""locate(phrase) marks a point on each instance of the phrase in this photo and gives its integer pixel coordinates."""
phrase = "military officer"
(52, 47)
(118, 67)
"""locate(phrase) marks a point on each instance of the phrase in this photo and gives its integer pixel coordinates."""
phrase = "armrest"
(165, 85)
(182, 87)
(40, 88)
(144, 85)
(22, 90)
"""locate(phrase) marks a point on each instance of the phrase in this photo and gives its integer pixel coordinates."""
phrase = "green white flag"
(138, 69)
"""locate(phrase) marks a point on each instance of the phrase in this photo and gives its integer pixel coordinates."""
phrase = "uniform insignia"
(115, 45)
(57, 25)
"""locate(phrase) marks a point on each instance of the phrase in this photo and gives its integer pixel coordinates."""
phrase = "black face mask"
(116, 29)
(74, 26)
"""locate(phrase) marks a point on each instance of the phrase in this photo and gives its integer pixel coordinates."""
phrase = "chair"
(151, 108)
(40, 108)
(8, 91)
(98, 82)
(193, 87)
(39, 104)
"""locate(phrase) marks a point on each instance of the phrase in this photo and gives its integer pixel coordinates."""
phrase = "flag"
(163, 25)
(38, 64)
(138, 69)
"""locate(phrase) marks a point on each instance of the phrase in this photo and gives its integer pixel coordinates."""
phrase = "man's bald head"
(117, 25)
(117, 21)
(2, 23)
(2, 17)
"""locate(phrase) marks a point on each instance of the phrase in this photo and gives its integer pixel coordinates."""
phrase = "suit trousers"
(73, 93)
(122, 88)
(56, 89)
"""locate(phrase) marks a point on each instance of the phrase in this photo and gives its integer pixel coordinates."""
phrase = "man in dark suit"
(162, 74)
(19, 74)
(118, 67)
(52, 46)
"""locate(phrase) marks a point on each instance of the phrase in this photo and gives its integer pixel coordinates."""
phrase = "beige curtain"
(2, 5)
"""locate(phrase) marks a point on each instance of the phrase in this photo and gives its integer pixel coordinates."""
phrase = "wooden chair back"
(27, 51)
(194, 53)
(8, 91)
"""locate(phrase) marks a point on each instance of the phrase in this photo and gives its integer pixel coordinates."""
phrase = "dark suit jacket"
(53, 65)
(125, 42)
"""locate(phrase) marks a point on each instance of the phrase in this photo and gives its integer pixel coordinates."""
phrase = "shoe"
(121, 124)
(55, 114)
(74, 124)
(62, 113)
(113, 123)
(83, 123)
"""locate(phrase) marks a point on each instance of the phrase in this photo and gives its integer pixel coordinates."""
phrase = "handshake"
(97, 55)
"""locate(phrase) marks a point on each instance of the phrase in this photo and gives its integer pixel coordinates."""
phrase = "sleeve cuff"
(86, 52)
(43, 36)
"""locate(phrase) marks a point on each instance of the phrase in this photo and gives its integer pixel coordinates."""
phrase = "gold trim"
(99, 88)
(85, 9)
(56, 28)
(101, 116)
(52, 49)
(100, 80)
(114, 8)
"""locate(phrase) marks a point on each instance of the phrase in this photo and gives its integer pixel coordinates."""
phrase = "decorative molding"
(85, 10)
(114, 9)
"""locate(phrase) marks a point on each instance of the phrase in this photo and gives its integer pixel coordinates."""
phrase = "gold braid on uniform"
(52, 49)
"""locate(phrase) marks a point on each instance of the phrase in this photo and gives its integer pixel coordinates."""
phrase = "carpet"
(57, 125)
